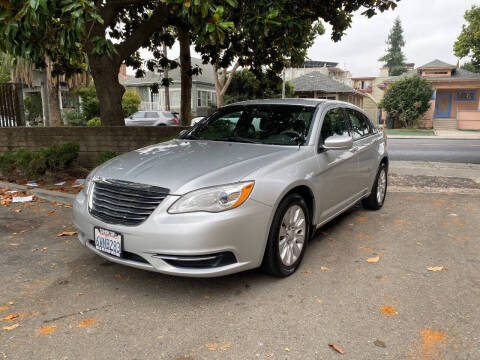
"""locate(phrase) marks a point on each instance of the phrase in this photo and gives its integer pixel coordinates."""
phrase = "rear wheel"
(379, 190)
(288, 237)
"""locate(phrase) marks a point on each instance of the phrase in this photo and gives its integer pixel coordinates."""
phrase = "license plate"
(108, 241)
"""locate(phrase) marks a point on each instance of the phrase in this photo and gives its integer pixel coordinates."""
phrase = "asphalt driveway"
(60, 301)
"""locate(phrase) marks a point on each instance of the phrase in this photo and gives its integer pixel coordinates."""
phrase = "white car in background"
(152, 118)
(196, 120)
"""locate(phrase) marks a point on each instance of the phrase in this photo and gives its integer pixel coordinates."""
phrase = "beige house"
(326, 68)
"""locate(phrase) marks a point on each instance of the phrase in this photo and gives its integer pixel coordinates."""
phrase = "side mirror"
(338, 142)
(183, 132)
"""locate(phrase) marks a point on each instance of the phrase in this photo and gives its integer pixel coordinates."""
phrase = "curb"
(49, 195)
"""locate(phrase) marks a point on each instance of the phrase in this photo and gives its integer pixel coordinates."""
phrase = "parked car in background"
(152, 118)
(196, 120)
(246, 187)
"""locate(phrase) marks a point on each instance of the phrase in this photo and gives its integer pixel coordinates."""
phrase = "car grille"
(123, 202)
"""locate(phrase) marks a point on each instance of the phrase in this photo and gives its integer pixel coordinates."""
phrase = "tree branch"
(230, 77)
(157, 20)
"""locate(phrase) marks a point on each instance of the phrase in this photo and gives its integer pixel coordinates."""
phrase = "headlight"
(213, 199)
(88, 182)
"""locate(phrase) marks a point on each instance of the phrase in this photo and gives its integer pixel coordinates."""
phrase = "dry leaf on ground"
(47, 329)
(67, 233)
(211, 347)
(437, 268)
(86, 322)
(324, 268)
(12, 316)
(11, 327)
(374, 259)
(388, 310)
(337, 348)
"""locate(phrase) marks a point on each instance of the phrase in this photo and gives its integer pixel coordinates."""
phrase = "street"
(399, 283)
(441, 150)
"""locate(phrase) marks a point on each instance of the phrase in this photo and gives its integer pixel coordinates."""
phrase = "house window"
(466, 95)
(205, 98)
(174, 99)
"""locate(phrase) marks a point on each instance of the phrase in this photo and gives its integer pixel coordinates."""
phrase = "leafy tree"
(470, 66)
(245, 85)
(468, 42)
(394, 58)
(407, 99)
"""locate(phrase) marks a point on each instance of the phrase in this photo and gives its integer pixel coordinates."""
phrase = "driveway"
(364, 285)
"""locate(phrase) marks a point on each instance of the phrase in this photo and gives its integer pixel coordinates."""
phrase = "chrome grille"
(124, 202)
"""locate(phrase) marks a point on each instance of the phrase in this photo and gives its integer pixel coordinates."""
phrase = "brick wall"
(92, 140)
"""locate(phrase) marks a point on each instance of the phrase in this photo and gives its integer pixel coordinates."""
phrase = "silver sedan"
(244, 188)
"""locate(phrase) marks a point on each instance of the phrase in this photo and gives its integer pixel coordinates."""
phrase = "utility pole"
(283, 84)
(165, 76)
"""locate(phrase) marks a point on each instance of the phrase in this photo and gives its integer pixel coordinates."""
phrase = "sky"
(430, 29)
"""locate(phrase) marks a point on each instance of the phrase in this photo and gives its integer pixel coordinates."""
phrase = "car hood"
(185, 165)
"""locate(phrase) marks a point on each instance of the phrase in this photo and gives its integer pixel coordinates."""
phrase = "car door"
(151, 117)
(364, 144)
(334, 179)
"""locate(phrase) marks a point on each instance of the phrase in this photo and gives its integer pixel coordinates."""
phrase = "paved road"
(441, 150)
(73, 304)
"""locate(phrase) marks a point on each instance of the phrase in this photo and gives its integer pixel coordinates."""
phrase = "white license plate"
(108, 241)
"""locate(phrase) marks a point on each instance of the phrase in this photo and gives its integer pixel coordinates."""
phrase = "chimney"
(123, 71)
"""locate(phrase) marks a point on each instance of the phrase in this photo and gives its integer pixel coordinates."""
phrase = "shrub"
(105, 156)
(94, 122)
(90, 103)
(75, 118)
(407, 99)
(130, 102)
(33, 109)
(29, 163)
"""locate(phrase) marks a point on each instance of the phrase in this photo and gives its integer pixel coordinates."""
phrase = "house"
(327, 68)
(316, 84)
(203, 88)
(455, 100)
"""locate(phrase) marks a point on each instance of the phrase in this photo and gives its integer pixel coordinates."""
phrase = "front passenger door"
(337, 168)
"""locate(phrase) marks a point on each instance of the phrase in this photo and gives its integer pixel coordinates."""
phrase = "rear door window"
(334, 124)
(152, 114)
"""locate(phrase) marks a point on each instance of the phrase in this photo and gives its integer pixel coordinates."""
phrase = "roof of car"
(293, 101)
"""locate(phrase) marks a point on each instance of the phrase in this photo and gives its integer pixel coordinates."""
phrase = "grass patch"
(409, 132)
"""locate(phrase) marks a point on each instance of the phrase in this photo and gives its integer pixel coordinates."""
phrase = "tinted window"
(152, 114)
(359, 124)
(334, 123)
(167, 114)
(267, 124)
(138, 115)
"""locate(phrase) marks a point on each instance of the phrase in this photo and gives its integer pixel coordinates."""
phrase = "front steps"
(444, 124)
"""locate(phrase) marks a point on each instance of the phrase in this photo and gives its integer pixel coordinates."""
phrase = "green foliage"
(28, 163)
(407, 99)
(470, 66)
(105, 156)
(94, 122)
(33, 109)
(90, 103)
(394, 58)
(130, 102)
(468, 42)
(246, 85)
(75, 118)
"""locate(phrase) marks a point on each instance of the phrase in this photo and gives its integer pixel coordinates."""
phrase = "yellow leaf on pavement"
(374, 259)
(11, 327)
(437, 268)
(47, 329)
(67, 233)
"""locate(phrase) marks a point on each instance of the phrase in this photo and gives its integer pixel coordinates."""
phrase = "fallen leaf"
(437, 268)
(379, 343)
(324, 268)
(337, 348)
(388, 310)
(12, 316)
(86, 322)
(287, 349)
(320, 301)
(11, 327)
(79, 294)
(361, 219)
(47, 329)
(67, 233)
(211, 347)
(51, 212)
(399, 222)
(17, 210)
(268, 356)
(374, 259)
(307, 272)
(225, 347)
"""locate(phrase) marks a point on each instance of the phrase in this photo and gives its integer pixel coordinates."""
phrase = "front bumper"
(242, 232)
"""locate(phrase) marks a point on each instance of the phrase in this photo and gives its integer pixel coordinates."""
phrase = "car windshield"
(263, 124)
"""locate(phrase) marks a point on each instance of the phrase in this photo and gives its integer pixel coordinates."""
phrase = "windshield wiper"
(189, 137)
(235, 139)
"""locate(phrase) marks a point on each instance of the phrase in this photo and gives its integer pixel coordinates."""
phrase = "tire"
(284, 263)
(377, 197)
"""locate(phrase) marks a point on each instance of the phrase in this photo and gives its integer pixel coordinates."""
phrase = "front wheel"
(379, 190)
(288, 237)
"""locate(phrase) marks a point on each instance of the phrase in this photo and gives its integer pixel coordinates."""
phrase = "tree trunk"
(54, 102)
(165, 76)
(109, 91)
(186, 77)
(222, 82)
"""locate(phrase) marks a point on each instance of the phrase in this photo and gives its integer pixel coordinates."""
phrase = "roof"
(435, 64)
(316, 64)
(457, 75)
(151, 77)
(316, 81)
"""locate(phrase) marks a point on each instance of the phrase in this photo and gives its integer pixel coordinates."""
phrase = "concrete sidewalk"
(442, 134)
